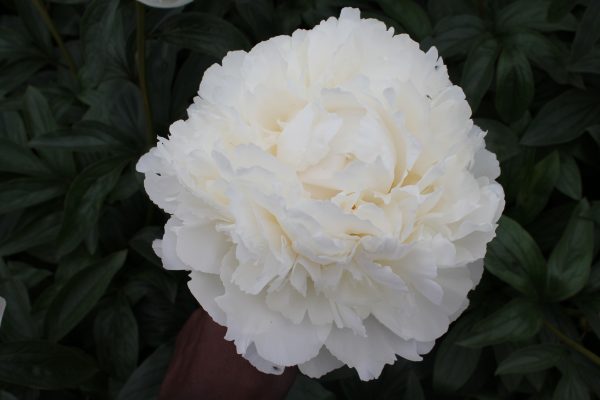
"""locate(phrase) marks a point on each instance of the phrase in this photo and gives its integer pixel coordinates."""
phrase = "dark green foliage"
(92, 315)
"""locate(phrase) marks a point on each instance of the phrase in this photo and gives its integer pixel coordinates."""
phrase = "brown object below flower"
(206, 366)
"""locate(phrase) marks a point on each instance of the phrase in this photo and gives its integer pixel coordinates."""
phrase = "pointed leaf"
(571, 386)
(85, 198)
(410, 15)
(446, 377)
(145, 382)
(17, 323)
(570, 261)
(96, 27)
(16, 194)
(516, 321)
(455, 34)
(537, 188)
(587, 31)
(569, 179)
(40, 120)
(478, 71)
(20, 160)
(531, 14)
(35, 233)
(116, 336)
(44, 365)
(514, 84)
(499, 139)
(563, 119)
(81, 293)
(514, 257)
(531, 359)
(203, 33)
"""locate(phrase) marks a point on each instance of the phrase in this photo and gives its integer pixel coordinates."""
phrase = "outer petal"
(371, 353)
(320, 365)
(201, 247)
(165, 3)
(206, 288)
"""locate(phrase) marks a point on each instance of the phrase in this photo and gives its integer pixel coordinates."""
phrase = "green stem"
(52, 28)
(573, 344)
(141, 65)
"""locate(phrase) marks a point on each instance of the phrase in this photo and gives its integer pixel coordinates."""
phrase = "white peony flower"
(331, 197)
(2, 308)
(165, 3)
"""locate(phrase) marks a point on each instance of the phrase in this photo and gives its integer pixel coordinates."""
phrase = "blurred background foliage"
(92, 315)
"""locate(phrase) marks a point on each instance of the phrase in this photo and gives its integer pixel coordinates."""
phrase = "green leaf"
(79, 296)
(455, 35)
(516, 321)
(16, 194)
(187, 81)
(307, 388)
(15, 74)
(531, 14)
(96, 27)
(203, 33)
(84, 136)
(17, 323)
(563, 119)
(569, 180)
(259, 15)
(514, 84)
(116, 336)
(410, 15)
(17, 45)
(44, 365)
(559, 8)
(587, 31)
(12, 128)
(40, 120)
(446, 377)
(30, 276)
(34, 233)
(533, 358)
(499, 139)
(537, 187)
(20, 160)
(32, 19)
(7, 396)
(571, 386)
(478, 70)
(545, 52)
(141, 242)
(514, 257)
(84, 200)
(144, 383)
(570, 261)
(588, 64)
(160, 72)
(414, 391)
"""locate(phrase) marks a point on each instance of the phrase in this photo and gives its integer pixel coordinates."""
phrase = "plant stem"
(573, 344)
(52, 28)
(141, 65)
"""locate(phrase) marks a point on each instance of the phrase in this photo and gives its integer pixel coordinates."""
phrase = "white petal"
(206, 288)
(168, 246)
(165, 3)
(323, 363)
(201, 247)
(371, 353)
(260, 363)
